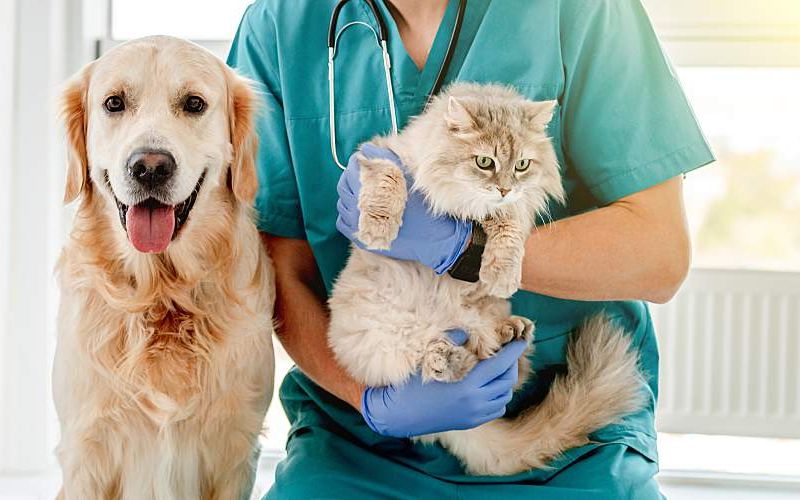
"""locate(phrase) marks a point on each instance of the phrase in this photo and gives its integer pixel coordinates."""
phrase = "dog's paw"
(515, 328)
(446, 362)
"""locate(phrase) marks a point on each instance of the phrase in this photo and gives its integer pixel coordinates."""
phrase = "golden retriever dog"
(164, 365)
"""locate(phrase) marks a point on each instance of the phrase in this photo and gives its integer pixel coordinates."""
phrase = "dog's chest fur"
(176, 351)
(160, 359)
(157, 361)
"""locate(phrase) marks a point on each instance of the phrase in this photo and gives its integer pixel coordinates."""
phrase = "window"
(743, 211)
(193, 19)
(739, 63)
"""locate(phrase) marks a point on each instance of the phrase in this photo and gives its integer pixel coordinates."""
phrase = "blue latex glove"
(435, 241)
(416, 408)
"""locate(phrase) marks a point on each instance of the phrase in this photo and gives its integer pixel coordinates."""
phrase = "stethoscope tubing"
(451, 49)
(381, 37)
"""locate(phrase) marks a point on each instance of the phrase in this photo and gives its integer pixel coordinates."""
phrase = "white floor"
(675, 485)
(689, 492)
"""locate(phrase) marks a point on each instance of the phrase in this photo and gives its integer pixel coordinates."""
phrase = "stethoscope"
(381, 37)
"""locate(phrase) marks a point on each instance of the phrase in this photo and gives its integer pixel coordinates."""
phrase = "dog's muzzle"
(152, 224)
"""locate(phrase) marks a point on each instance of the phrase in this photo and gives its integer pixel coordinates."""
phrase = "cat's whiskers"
(549, 215)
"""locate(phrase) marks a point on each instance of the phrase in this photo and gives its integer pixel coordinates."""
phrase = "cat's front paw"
(500, 280)
(377, 231)
(381, 201)
(446, 362)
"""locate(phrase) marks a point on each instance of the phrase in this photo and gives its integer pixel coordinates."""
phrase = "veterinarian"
(624, 133)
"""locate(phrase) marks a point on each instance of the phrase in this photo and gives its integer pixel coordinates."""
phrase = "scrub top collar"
(411, 85)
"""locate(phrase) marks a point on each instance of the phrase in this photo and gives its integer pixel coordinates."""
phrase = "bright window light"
(193, 19)
(743, 211)
(729, 454)
(276, 423)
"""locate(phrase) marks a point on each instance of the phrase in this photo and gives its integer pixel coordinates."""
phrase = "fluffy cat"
(478, 152)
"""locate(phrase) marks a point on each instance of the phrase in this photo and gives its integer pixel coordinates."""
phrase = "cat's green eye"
(522, 165)
(484, 162)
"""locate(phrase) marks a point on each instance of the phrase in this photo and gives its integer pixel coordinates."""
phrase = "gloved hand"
(435, 241)
(416, 408)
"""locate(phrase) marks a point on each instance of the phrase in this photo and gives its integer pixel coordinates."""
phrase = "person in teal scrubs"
(624, 134)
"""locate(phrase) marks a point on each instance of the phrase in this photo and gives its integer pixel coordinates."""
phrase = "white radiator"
(730, 355)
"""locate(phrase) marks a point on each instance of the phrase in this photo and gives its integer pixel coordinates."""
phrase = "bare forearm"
(632, 249)
(303, 318)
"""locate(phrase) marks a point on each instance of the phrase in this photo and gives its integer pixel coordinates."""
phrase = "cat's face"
(494, 152)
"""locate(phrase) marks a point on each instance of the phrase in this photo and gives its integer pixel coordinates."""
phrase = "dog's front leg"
(235, 483)
(88, 466)
(231, 451)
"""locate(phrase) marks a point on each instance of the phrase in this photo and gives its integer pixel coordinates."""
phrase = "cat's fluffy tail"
(602, 383)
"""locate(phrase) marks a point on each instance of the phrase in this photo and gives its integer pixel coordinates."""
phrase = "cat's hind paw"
(446, 362)
(515, 328)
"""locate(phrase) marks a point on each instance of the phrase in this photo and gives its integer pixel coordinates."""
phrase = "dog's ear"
(242, 108)
(73, 115)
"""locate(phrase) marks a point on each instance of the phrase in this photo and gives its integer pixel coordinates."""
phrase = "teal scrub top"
(622, 125)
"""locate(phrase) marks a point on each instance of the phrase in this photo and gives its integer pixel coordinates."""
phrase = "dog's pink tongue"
(150, 229)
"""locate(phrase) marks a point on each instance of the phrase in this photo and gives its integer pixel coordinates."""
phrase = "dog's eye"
(114, 104)
(194, 104)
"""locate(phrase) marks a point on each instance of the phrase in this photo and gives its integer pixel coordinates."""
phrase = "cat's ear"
(459, 118)
(539, 113)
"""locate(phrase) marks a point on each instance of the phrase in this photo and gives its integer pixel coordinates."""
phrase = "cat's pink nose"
(503, 191)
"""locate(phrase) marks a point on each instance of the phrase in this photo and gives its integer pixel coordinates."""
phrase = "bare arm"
(303, 317)
(635, 248)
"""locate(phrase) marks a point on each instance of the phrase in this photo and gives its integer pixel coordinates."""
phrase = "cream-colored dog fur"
(388, 317)
(164, 365)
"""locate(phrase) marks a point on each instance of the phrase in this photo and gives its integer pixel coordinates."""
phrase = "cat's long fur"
(388, 316)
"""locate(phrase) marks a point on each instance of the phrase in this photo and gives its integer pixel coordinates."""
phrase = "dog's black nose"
(151, 168)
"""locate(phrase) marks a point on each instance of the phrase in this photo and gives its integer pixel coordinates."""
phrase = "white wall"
(7, 49)
(37, 41)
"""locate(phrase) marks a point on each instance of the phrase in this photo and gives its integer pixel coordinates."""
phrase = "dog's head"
(156, 126)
